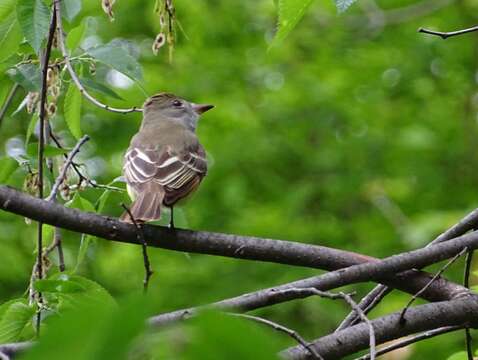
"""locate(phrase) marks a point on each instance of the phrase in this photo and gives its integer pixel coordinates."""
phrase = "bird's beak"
(201, 108)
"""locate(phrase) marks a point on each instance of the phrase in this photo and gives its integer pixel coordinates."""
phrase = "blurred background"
(355, 132)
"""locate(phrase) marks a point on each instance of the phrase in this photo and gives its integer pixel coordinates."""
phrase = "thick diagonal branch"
(462, 312)
(252, 248)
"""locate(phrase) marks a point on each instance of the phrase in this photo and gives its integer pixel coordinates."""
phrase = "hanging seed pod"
(32, 101)
(51, 109)
(50, 76)
(31, 183)
(107, 6)
(54, 91)
(158, 43)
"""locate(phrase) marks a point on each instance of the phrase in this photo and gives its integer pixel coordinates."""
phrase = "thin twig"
(413, 339)
(367, 303)
(144, 245)
(445, 35)
(8, 101)
(82, 177)
(69, 160)
(278, 327)
(341, 295)
(466, 283)
(366, 320)
(59, 246)
(74, 76)
(41, 145)
(436, 276)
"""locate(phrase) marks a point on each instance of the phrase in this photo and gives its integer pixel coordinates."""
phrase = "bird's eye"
(177, 103)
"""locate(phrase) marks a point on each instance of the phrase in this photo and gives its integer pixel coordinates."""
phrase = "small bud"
(158, 43)
(107, 6)
(51, 109)
(92, 68)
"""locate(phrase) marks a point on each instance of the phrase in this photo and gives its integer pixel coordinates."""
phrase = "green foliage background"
(347, 134)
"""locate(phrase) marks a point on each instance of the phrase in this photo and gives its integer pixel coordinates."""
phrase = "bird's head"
(169, 107)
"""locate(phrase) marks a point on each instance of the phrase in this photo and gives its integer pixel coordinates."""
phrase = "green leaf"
(461, 355)
(343, 5)
(72, 110)
(290, 13)
(119, 59)
(215, 337)
(80, 203)
(6, 8)
(92, 292)
(84, 245)
(15, 318)
(34, 19)
(31, 128)
(96, 86)
(10, 36)
(93, 331)
(63, 286)
(75, 36)
(101, 202)
(70, 8)
(48, 150)
(27, 75)
(7, 167)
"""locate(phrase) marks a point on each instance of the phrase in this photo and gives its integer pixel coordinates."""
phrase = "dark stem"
(41, 145)
(59, 246)
(171, 219)
(144, 246)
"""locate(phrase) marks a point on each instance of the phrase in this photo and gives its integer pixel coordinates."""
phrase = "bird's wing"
(178, 173)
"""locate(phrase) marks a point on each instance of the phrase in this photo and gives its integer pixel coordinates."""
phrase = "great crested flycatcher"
(165, 161)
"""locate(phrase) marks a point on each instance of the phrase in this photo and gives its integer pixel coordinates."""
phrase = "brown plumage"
(165, 161)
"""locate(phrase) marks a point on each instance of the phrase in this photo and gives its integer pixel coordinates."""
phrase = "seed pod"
(51, 109)
(32, 100)
(50, 76)
(54, 91)
(158, 43)
(107, 6)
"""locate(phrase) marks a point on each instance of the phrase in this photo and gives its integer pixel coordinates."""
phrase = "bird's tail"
(146, 206)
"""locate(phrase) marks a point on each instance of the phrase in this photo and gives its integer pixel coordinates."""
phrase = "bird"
(165, 162)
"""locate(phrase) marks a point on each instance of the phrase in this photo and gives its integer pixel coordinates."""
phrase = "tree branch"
(413, 339)
(459, 312)
(253, 248)
(74, 76)
(373, 298)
